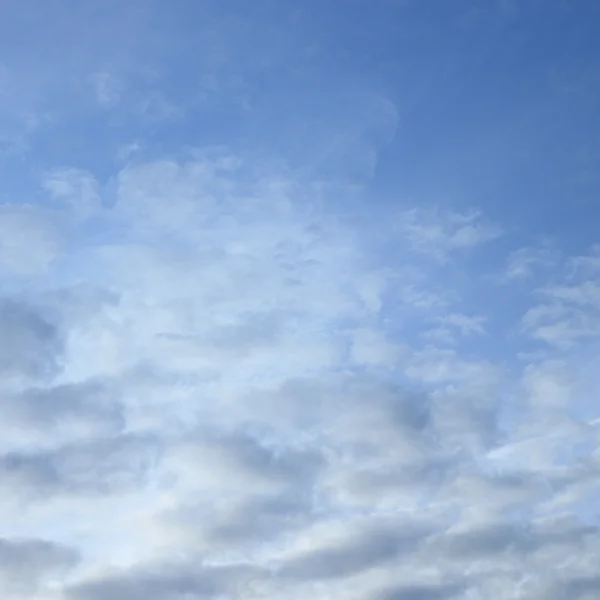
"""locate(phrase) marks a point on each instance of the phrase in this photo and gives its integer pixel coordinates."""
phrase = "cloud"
(422, 592)
(465, 324)
(442, 233)
(32, 344)
(76, 189)
(30, 239)
(589, 263)
(525, 262)
(107, 88)
(569, 308)
(29, 565)
(230, 366)
(221, 390)
(98, 467)
(40, 415)
(241, 324)
(351, 557)
(166, 583)
(246, 457)
(258, 519)
(454, 325)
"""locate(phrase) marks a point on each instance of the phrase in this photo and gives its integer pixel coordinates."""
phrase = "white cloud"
(441, 233)
(570, 308)
(454, 325)
(465, 324)
(589, 263)
(76, 189)
(29, 239)
(523, 263)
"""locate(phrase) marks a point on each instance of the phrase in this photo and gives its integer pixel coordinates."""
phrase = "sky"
(299, 300)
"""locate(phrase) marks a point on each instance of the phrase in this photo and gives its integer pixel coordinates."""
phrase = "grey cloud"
(486, 541)
(261, 519)
(253, 493)
(90, 407)
(25, 563)
(377, 438)
(374, 414)
(405, 408)
(30, 238)
(31, 345)
(422, 592)
(563, 531)
(28, 476)
(147, 587)
(421, 477)
(285, 465)
(167, 582)
(258, 328)
(346, 409)
(249, 332)
(372, 548)
(102, 466)
(242, 454)
(467, 423)
(500, 492)
(80, 302)
(297, 404)
(512, 543)
(579, 588)
(109, 464)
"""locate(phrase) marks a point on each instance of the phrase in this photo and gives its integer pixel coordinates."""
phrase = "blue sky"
(299, 300)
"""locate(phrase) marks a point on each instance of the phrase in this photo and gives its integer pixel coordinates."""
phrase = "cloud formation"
(230, 368)
(221, 377)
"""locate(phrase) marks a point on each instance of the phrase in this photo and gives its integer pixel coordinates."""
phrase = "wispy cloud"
(30, 239)
(570, 308)
(526, 262)
(107, 88)
(442, 233)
